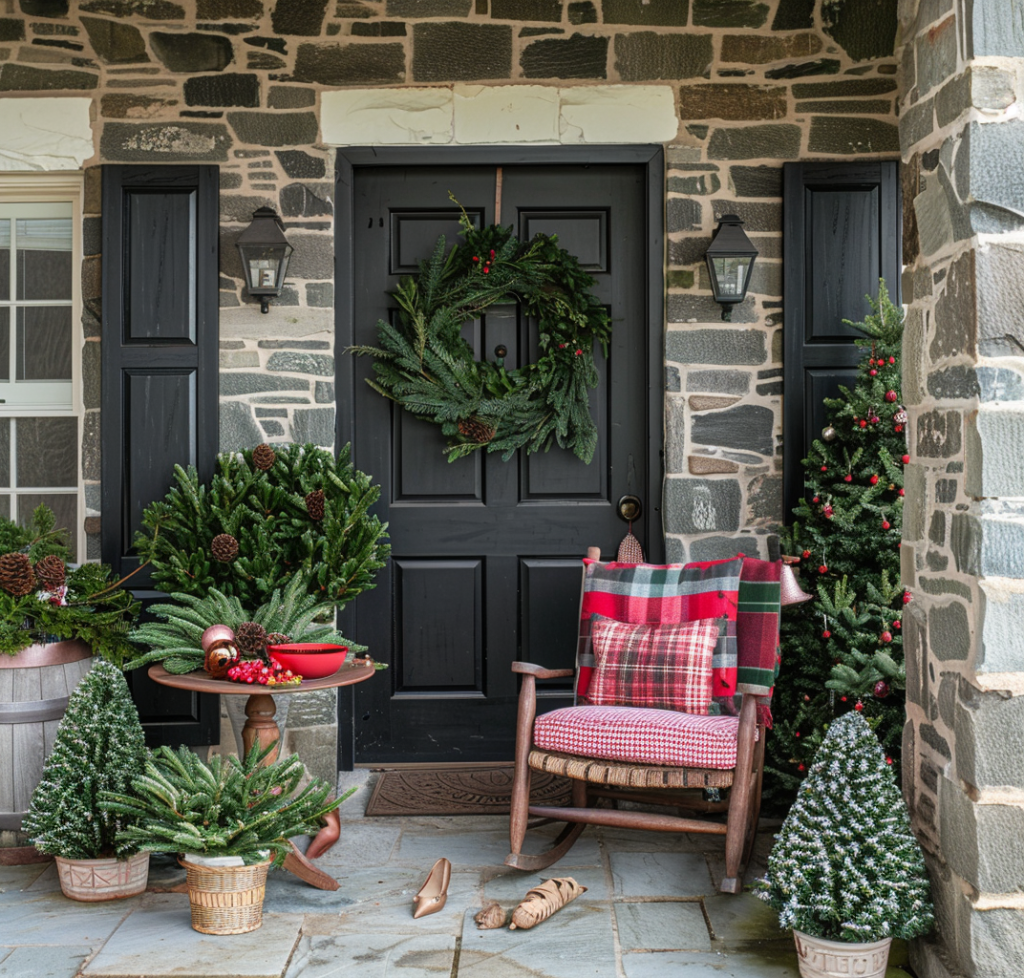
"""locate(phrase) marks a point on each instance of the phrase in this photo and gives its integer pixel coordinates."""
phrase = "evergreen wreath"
(424, 365)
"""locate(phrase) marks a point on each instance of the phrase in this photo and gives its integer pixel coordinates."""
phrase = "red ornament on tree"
(902, 493)
(827, 511)
(885, 524)
(874, 480)
(886, 636)
(898, 428)
(905, 459)
(806, 554)
(881, 689)
(824, 468)
(847, 477)
(888, 760)
(892, 359)
(822, 569)
(897, 624)
(862, 423)
(891, 396)
(873, 372)
(906, 597)
(815, 500)
(826, 634)
(858, 706)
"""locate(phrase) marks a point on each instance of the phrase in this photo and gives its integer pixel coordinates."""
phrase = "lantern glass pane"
(263, 272)
(731, 273)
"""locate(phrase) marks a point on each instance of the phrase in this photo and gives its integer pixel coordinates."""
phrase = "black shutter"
(159, 379)
(841, 234)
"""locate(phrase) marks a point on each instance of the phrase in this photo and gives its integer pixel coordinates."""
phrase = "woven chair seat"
(627, 775)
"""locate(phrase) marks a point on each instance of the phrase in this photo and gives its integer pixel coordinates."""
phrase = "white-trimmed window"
(40, 348)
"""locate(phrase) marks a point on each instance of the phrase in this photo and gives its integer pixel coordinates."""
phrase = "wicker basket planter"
(226, 899)
(818, 958)
(92, 880)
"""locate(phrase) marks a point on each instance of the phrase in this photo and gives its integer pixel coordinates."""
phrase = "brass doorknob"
(629, 508)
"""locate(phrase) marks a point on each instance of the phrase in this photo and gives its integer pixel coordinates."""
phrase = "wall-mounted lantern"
(730, 258)
(265, 252)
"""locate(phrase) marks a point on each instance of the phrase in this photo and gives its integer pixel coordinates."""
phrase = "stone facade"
(961, 139)
(266, 89)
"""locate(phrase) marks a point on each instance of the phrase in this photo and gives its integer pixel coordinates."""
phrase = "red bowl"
(311, 660)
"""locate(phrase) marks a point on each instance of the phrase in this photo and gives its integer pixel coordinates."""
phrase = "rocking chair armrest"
(540, 672)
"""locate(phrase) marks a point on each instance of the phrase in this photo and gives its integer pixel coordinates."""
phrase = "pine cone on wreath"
(16, 575)
(476, 430)
(315, 505)
(251, 639)
(51, 572)
(263, 457)
(224, 548)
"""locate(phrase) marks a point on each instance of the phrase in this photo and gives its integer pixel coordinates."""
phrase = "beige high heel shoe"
(434, 892)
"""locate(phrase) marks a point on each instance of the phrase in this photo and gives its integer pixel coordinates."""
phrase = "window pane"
(65, 508)
(5, 454)
(44, 258)
(5, 344)
(44, 343)
(5, 258)
(47, 452)
(5, 507)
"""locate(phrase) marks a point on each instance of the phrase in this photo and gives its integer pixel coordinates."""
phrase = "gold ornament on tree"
(16, 575)
(828, 433)
(224, 547)
(263, 457)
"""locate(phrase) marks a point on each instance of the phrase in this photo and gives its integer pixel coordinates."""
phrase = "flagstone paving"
(651, 910)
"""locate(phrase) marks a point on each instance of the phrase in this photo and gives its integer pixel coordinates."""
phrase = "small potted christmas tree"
(99, 747)
(846, 873)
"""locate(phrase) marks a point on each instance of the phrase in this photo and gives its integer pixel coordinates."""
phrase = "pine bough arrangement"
(846, 866)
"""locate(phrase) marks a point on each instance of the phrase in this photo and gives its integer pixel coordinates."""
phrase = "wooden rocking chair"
(729, 748)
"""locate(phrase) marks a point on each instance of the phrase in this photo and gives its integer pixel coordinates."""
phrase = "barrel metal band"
(11, 821)
(33, 711)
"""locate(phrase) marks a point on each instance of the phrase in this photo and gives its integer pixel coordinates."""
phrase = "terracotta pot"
(92, 880)
(818, 958)
(57, 668)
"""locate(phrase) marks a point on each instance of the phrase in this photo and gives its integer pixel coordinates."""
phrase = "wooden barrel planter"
(35, 686)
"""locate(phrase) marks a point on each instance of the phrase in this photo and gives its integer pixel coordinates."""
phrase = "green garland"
(424, 365)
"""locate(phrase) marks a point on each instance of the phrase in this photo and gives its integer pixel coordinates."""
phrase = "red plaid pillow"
(662, 666)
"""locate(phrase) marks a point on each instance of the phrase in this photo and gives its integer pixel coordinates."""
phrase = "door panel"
(486, 555)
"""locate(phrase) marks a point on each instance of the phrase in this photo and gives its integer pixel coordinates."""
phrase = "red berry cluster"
(487, 262)
(254, 671)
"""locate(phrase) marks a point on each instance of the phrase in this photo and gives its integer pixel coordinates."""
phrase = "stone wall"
(266, 88)
(963, 141)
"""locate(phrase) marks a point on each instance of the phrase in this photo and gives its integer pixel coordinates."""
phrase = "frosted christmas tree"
(99, 746)
(845, 865)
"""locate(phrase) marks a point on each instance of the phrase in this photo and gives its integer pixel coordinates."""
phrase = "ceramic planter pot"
(225, 899)
(818, 958)
(92, 880)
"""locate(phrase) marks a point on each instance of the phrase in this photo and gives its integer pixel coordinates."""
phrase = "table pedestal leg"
(261, 730)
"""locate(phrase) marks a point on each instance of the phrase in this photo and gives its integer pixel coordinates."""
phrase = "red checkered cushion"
(663, 666)
(658, 593)
(639, 736)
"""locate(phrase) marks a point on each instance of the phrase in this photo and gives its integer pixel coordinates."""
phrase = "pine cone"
(51, 572)
(16, 575)
(251, 639)
(224, 548)
(276, 638)
(315, 505)
(263, 457)
(476, 430)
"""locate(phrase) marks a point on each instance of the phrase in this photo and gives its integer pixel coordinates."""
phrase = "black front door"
(485, 566)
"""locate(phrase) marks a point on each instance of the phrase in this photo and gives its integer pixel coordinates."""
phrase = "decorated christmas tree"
(99, 747)
(845, 865)
(844, 650)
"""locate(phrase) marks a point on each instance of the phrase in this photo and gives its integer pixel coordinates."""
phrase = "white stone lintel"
(498, 114)
(45, 133)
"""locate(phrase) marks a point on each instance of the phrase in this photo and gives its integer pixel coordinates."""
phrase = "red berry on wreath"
(873, 372)
(847, 477)
(874, 480)
(806, 554)
(824, 468)
(886, 636)
(800, 767)
(492, 253)
(815, 500)
(906, 597)
(902, 493)
(486, 270)
(579, 353)
(881, 689)
(858, 706)
(898, 428)
(476, 258)
(892, 359)
(897, 624)
(842, 699)
(796, 733)
(862, 423)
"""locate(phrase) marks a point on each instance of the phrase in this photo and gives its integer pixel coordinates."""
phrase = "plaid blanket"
(757, 630)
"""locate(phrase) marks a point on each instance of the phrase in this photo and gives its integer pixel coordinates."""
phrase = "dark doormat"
(484, 789)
